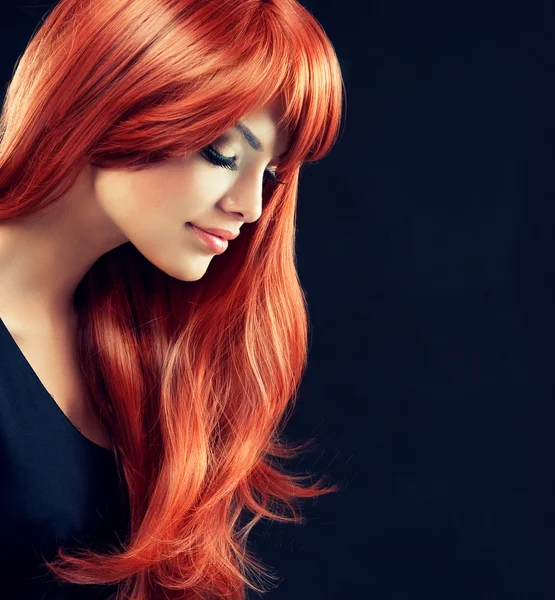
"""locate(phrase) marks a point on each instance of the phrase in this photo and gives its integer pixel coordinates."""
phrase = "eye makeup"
(229, 162)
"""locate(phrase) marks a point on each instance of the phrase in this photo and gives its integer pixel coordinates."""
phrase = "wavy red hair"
(194, 380)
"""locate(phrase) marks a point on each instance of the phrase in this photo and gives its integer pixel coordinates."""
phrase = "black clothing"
(57, 487)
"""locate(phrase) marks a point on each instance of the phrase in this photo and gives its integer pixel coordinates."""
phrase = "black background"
(425, 246)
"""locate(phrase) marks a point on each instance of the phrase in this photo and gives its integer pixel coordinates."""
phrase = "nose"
(246, 196)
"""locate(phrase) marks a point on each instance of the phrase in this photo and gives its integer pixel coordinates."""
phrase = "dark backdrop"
(425, 246)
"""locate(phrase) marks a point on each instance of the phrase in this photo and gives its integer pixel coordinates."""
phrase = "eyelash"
(229, 163)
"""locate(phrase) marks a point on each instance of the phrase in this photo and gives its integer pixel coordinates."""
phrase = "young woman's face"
(154, 208)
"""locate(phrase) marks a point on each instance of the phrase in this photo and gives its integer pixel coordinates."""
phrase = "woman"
(170, 357)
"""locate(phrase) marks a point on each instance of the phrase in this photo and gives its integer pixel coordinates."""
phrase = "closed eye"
(229, 162)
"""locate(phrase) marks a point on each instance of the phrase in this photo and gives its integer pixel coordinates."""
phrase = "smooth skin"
(43, 258)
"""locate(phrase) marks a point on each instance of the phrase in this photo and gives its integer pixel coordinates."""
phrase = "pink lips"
(214, 242)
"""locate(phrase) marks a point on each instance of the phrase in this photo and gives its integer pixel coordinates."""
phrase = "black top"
(57, 487)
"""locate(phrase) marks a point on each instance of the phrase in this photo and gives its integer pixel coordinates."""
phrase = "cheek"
(203, 183)
(175, 192)
(138, 196)
(181, 188)
(153, 191)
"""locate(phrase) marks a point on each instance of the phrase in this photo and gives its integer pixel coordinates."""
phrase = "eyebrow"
(253, 141)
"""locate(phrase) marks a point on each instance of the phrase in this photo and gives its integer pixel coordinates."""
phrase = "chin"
(189, 277)
(194, 278)
(189, 274)
(188, 269)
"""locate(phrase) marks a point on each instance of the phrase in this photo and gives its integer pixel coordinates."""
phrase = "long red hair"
(194, 380)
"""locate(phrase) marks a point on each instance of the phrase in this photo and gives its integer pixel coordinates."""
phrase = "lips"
(215, 243)
(226, 234)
